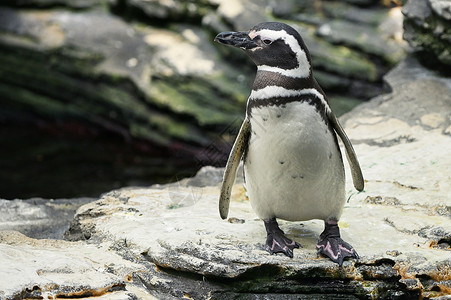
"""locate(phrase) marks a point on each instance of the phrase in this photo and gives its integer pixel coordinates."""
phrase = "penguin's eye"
(267, 41)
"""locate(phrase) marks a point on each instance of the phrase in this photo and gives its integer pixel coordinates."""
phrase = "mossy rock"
(429, 34)
(364, 38)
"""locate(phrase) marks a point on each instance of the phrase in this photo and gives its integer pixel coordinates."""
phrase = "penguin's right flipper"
(238, 149)
(356, 171)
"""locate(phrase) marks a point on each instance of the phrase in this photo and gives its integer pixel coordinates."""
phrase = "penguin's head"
(272, 46)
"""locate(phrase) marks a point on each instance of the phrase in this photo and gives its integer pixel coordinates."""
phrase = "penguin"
(293, 165)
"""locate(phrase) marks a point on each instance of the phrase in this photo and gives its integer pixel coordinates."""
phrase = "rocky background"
(128, 92)
(167, 241)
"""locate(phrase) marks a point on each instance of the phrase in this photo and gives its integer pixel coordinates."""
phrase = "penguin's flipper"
(231, 168)
(356, 172)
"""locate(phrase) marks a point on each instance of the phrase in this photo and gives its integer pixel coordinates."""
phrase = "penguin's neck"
(276, 89)
(265, 79)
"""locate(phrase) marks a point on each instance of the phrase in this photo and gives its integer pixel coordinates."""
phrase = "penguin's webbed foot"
(331, 245)
(276, 241)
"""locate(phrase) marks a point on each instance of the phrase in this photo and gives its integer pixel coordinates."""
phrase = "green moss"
(21, 98)
(197, 98)
(344, 61)
(75, 61)
(177, 129)
(146, 133)
(341, 105)
(174, 206)
(330, 81)
(41, 85)
(144, 121)
(435, 45)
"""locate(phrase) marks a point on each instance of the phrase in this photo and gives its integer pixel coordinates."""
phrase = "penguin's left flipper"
(238, 149)
(356, 172)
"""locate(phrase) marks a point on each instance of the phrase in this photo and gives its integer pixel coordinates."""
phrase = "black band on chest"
(311, 99)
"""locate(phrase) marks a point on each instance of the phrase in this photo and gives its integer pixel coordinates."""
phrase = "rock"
(285, 8)
(441, 8)
(427, 28)
(364, 37)
(421, 123)
(122, 58)
(399, 224)
(166, 10)
(74, 4)
(39, 218)
(351, 13)
(362, 2)
(242, 15)
(102, 77)
(47, 268)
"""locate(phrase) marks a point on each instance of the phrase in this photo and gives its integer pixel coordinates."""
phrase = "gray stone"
(427, 28)
(39, 218)
(417, 11)
(241, 14)
(363, 37)
(75, 4)
(169, 10)
(441, 8)
(283, 8)
(214, 23)
(362, 2)
(343, 10)
(41, 268)
(48, 268)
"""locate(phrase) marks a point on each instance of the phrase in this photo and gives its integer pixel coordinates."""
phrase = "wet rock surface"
(39, 218)
(168, 241)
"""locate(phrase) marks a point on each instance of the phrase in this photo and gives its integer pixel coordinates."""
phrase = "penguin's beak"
(239, 39)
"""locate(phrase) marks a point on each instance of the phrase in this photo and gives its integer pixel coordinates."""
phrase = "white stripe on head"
(303, 69)
(274, 91)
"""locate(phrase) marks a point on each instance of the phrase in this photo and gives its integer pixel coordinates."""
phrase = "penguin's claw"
(279, 243)
(276, 241)
(336, 249)
(331, 245)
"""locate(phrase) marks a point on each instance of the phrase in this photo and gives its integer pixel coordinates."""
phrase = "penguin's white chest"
(293, 167)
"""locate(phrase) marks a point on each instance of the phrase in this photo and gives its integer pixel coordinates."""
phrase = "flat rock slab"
(38, 269)
(400, 224)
